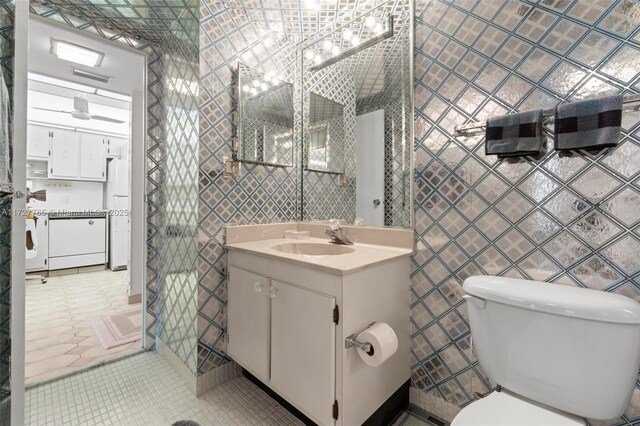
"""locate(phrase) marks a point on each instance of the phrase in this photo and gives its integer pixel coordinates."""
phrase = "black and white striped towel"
(515, 135)
(594, 123)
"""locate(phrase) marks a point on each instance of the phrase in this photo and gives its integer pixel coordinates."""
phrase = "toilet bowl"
(549, 347)
(507, 409)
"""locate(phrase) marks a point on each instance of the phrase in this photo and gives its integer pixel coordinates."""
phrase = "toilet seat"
(507, 409)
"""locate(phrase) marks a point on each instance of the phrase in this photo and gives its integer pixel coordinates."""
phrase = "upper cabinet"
(54, 153)
(93, 158)
(63, 161)
(38, 139)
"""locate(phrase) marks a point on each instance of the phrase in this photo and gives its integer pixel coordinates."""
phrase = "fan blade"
(109, 119)
(52, 110)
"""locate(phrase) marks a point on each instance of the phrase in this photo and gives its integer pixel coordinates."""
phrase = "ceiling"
(141, 19)
(123, 80)
(301, 19)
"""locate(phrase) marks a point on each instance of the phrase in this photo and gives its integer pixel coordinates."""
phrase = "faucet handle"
(334, 224)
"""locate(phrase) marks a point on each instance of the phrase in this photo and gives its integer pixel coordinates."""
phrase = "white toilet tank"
(574, 349)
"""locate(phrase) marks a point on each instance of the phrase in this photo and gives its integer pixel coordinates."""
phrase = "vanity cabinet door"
(303, 349)
(248, 321)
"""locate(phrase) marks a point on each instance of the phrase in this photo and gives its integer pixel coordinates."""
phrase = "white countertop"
(364, 255)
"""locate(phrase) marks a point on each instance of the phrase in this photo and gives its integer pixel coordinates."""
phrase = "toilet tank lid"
(555, 299)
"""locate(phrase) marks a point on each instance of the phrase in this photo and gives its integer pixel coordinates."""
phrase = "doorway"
(85, 132)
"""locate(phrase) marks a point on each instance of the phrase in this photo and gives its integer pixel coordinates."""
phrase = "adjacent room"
(79, 307)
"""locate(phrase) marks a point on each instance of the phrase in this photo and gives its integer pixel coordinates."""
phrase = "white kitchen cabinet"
(75, 242)
(298, 344)
(117, 147)
(248, 320)
(63, 162)
(93, 157)
(38, 139)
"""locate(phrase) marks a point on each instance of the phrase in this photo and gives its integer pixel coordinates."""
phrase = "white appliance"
(38, 261)
(117, 202)
(560, 353)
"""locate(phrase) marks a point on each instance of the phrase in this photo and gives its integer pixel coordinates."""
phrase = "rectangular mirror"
(324, 136)
(265, 119)
(356, 106)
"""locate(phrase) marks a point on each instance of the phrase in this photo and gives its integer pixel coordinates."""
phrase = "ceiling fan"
(81, 111)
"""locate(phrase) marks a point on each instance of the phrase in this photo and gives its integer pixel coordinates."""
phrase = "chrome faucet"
(337, 234)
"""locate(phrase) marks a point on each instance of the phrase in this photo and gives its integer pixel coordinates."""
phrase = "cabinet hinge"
(335, 410)
(336, 314)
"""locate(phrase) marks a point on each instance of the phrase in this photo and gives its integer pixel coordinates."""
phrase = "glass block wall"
(260, 194)
(179, 206)
(571, 219)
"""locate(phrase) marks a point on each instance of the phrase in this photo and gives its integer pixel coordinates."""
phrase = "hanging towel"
(515, 135)
(594, 123)
(5, 142)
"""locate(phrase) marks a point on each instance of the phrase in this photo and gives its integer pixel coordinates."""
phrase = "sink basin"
(313, 249)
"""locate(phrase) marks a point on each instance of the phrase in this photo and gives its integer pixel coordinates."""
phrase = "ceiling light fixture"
(113, 95)
(357, 46)
(61, 83)
(75, 53)
(370, 22)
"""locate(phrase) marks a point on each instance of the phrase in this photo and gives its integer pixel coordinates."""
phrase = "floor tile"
(59, 335)
(143, 390)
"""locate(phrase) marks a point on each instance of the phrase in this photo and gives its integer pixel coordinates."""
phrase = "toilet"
(559, 354)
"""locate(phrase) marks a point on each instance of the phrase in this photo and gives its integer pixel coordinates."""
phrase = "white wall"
(370, 167)
(68, 195)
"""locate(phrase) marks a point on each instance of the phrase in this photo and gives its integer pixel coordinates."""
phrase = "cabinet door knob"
(91, 222)
(258, 286)
(272, 292)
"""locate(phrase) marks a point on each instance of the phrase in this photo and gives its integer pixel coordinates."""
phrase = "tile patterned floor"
(59, 337)
(143, 390)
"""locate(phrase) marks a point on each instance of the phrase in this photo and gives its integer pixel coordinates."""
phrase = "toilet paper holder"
(351, 341)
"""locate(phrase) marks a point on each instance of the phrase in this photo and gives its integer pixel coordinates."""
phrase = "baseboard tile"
(433, 404)
(219, 375)
(134, 298)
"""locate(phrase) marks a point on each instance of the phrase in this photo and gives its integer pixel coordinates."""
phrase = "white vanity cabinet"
(287, 325)
(249, 320)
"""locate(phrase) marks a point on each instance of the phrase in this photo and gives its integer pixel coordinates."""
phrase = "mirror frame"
(236, 149)
(410, 137)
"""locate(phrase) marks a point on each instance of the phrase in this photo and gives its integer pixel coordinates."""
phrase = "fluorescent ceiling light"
(61, 83)
(79, 87)
(113, 95)
(76, 53)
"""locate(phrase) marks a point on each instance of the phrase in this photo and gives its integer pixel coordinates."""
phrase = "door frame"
(138, 200)
(20, 88)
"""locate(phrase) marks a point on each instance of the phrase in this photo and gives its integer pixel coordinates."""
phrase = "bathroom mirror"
(264, 127)
(356, 119)
(324, 135)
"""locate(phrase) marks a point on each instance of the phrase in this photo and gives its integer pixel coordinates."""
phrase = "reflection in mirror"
(325, 135)
(265, 118)
(364, 71)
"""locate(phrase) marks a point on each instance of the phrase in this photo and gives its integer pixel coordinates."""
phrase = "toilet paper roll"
(383, 340)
